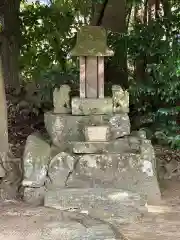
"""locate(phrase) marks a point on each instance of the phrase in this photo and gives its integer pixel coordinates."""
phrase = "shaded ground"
(22, 222)
(163, 222)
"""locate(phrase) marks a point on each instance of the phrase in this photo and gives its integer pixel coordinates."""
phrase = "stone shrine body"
(92, 160)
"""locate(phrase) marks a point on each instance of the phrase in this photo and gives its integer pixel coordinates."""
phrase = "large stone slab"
(150, 169)
(88, 106)
(98, 202)
(35, 160)
(125, 171)
(121, 145)
(63, 128)
(59, 168)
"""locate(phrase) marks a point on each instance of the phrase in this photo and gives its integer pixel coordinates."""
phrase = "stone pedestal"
(94, 164)
(64, 128)
(92, 151)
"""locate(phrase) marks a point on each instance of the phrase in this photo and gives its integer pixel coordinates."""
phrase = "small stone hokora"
(61, 99)
(120, 99)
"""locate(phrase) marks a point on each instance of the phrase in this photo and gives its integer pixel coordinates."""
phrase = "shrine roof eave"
(91, 53)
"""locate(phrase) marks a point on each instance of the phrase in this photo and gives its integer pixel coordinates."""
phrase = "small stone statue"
(120, 99)
(61, 99)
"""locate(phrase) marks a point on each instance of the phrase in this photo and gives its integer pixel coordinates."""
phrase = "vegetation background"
(37, 36)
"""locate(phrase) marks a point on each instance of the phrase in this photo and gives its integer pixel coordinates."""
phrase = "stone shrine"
(91, 49)
(92, 163)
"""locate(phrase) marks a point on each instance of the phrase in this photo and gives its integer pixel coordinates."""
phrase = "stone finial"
(91, 41)
(120, 99)
(61, 99)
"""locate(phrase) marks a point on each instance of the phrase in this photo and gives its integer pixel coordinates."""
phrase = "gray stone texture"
(140, 134)
(100, 203)
(76, 229)
(2, 171)
(88, 106)
(54, 151)
(59, 168)
(120, 125)
(61, 99)
(34, 196)
(126, 171)
(35, 160)
(63, 128)
(121, 145)
(97, 133)
(148, 162)
(24, 222)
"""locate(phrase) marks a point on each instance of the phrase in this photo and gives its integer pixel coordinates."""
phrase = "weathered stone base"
(98, 202)
(63, 128)
(122, 145)
(104, 164)
(121, 171)
(88, 106)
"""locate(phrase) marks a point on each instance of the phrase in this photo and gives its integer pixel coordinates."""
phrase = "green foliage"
(48, 35)
(159, 92)
(45, 36)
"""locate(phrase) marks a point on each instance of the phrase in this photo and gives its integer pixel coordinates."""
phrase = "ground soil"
(162, 222)
(23, 222)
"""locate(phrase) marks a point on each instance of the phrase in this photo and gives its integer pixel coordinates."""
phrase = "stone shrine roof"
(91, 41)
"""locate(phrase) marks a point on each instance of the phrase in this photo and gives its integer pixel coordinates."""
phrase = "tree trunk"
(129, 12)
(9, 38)
(166, 8)
(145, 12)
(4, 146)
(157, 8)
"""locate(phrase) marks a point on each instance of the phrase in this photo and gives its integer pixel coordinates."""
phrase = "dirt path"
(162, 222)
(21, 222)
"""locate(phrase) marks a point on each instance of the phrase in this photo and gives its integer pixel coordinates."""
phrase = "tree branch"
(101, 15)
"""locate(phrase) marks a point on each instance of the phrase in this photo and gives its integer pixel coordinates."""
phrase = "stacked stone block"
(90, 151)
(91, 163)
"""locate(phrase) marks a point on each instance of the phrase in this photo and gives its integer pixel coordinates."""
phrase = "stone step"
(107, 105)
(98, 202)
(88, 106)
(35, 161)
(123, 145)
(63, 128)
(134, 172)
